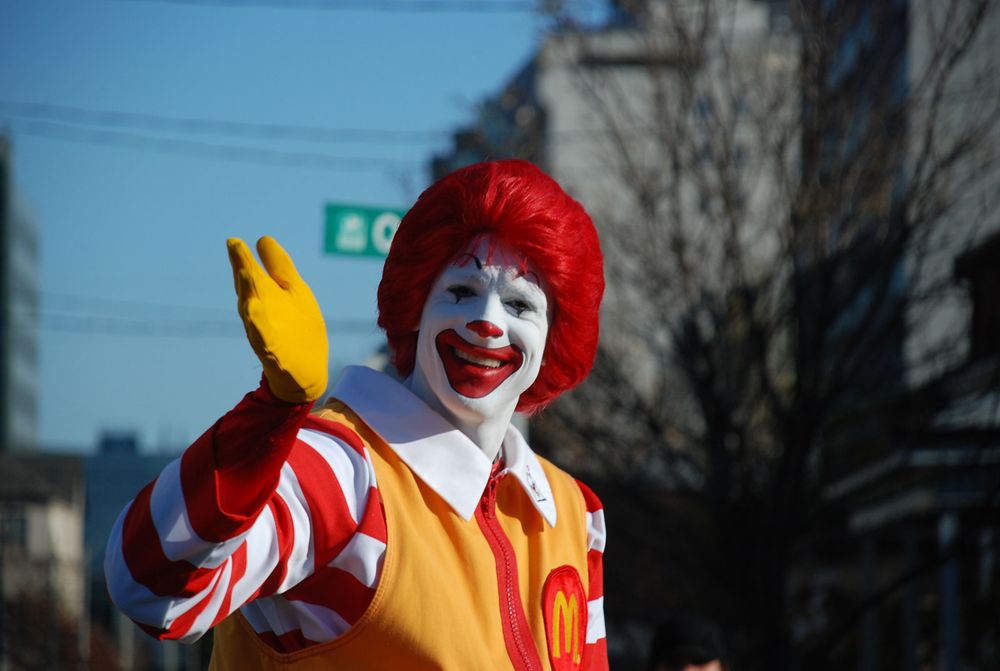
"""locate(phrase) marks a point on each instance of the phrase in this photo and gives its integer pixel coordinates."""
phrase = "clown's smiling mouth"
(475, 371)
(478, 360)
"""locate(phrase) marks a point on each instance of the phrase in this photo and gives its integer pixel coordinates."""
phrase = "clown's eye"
(518, 306)
(461, 291)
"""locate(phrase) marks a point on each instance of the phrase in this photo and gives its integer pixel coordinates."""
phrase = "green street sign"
(359, 230)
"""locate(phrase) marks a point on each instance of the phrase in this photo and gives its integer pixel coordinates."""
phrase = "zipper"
(517, 636)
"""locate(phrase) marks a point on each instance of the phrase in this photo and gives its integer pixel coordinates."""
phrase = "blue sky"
(133, 230)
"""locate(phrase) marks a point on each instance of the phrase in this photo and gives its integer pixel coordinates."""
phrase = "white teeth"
(479, 361)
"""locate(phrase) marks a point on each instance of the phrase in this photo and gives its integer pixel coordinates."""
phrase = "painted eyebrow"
(479, 264)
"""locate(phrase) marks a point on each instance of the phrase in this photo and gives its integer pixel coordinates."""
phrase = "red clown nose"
(484, 329)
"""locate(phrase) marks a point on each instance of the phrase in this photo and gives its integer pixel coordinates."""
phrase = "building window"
(13, 527)
(980, 268)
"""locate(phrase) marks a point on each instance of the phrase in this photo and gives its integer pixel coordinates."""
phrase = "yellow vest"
(438, 604)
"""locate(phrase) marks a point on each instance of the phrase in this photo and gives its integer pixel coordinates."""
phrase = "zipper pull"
(489, 500)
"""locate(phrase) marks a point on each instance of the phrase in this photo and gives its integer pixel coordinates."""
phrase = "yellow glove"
(282, 320)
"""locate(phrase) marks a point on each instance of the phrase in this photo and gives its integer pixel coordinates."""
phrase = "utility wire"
(157, 122)
(86, 116)
(101, 315)
(104, 325)
(26, 118)
(74, 302)
(96, 325)
(243, 154)
(412, 6)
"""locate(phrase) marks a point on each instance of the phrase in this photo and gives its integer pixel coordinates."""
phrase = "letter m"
(564, 612)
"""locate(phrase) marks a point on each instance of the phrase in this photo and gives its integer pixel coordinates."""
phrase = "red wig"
(516, 205)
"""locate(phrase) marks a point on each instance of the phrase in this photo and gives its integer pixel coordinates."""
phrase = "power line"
(78, 313)
(411, 6)
(69, 114)
(243, 154)
(238, 153)
(72, 302)
(157, 122)
(100, 325)
(103, 325)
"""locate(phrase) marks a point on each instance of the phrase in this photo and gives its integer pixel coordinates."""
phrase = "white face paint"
(482, 336)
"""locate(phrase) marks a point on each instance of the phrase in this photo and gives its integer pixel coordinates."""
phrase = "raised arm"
(229, 520)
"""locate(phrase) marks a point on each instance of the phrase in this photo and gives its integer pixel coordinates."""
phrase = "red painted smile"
(474, 371)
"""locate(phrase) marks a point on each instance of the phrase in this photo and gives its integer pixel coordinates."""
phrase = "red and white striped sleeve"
(233, 519)
(595, 650)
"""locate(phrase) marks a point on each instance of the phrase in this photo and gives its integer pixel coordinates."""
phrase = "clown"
(402, 525)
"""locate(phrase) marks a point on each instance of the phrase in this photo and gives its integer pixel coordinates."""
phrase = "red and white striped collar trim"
(440, 455)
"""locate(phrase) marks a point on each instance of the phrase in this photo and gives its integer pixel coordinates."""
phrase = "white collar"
(441, 455)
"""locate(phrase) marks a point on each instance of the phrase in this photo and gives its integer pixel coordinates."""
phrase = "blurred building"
(42, 564)
(18, 314)
(918, 478)
(922, 507)
(56, 513)
(547, 114)
(912, 456)
(115, 474)
(970, 201)
(511, 124)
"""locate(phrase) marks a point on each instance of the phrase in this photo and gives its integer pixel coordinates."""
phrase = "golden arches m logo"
(565, 613)
(564, 607)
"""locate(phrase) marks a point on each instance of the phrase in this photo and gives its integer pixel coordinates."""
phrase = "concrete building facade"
(42, 562)
(19, 260)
